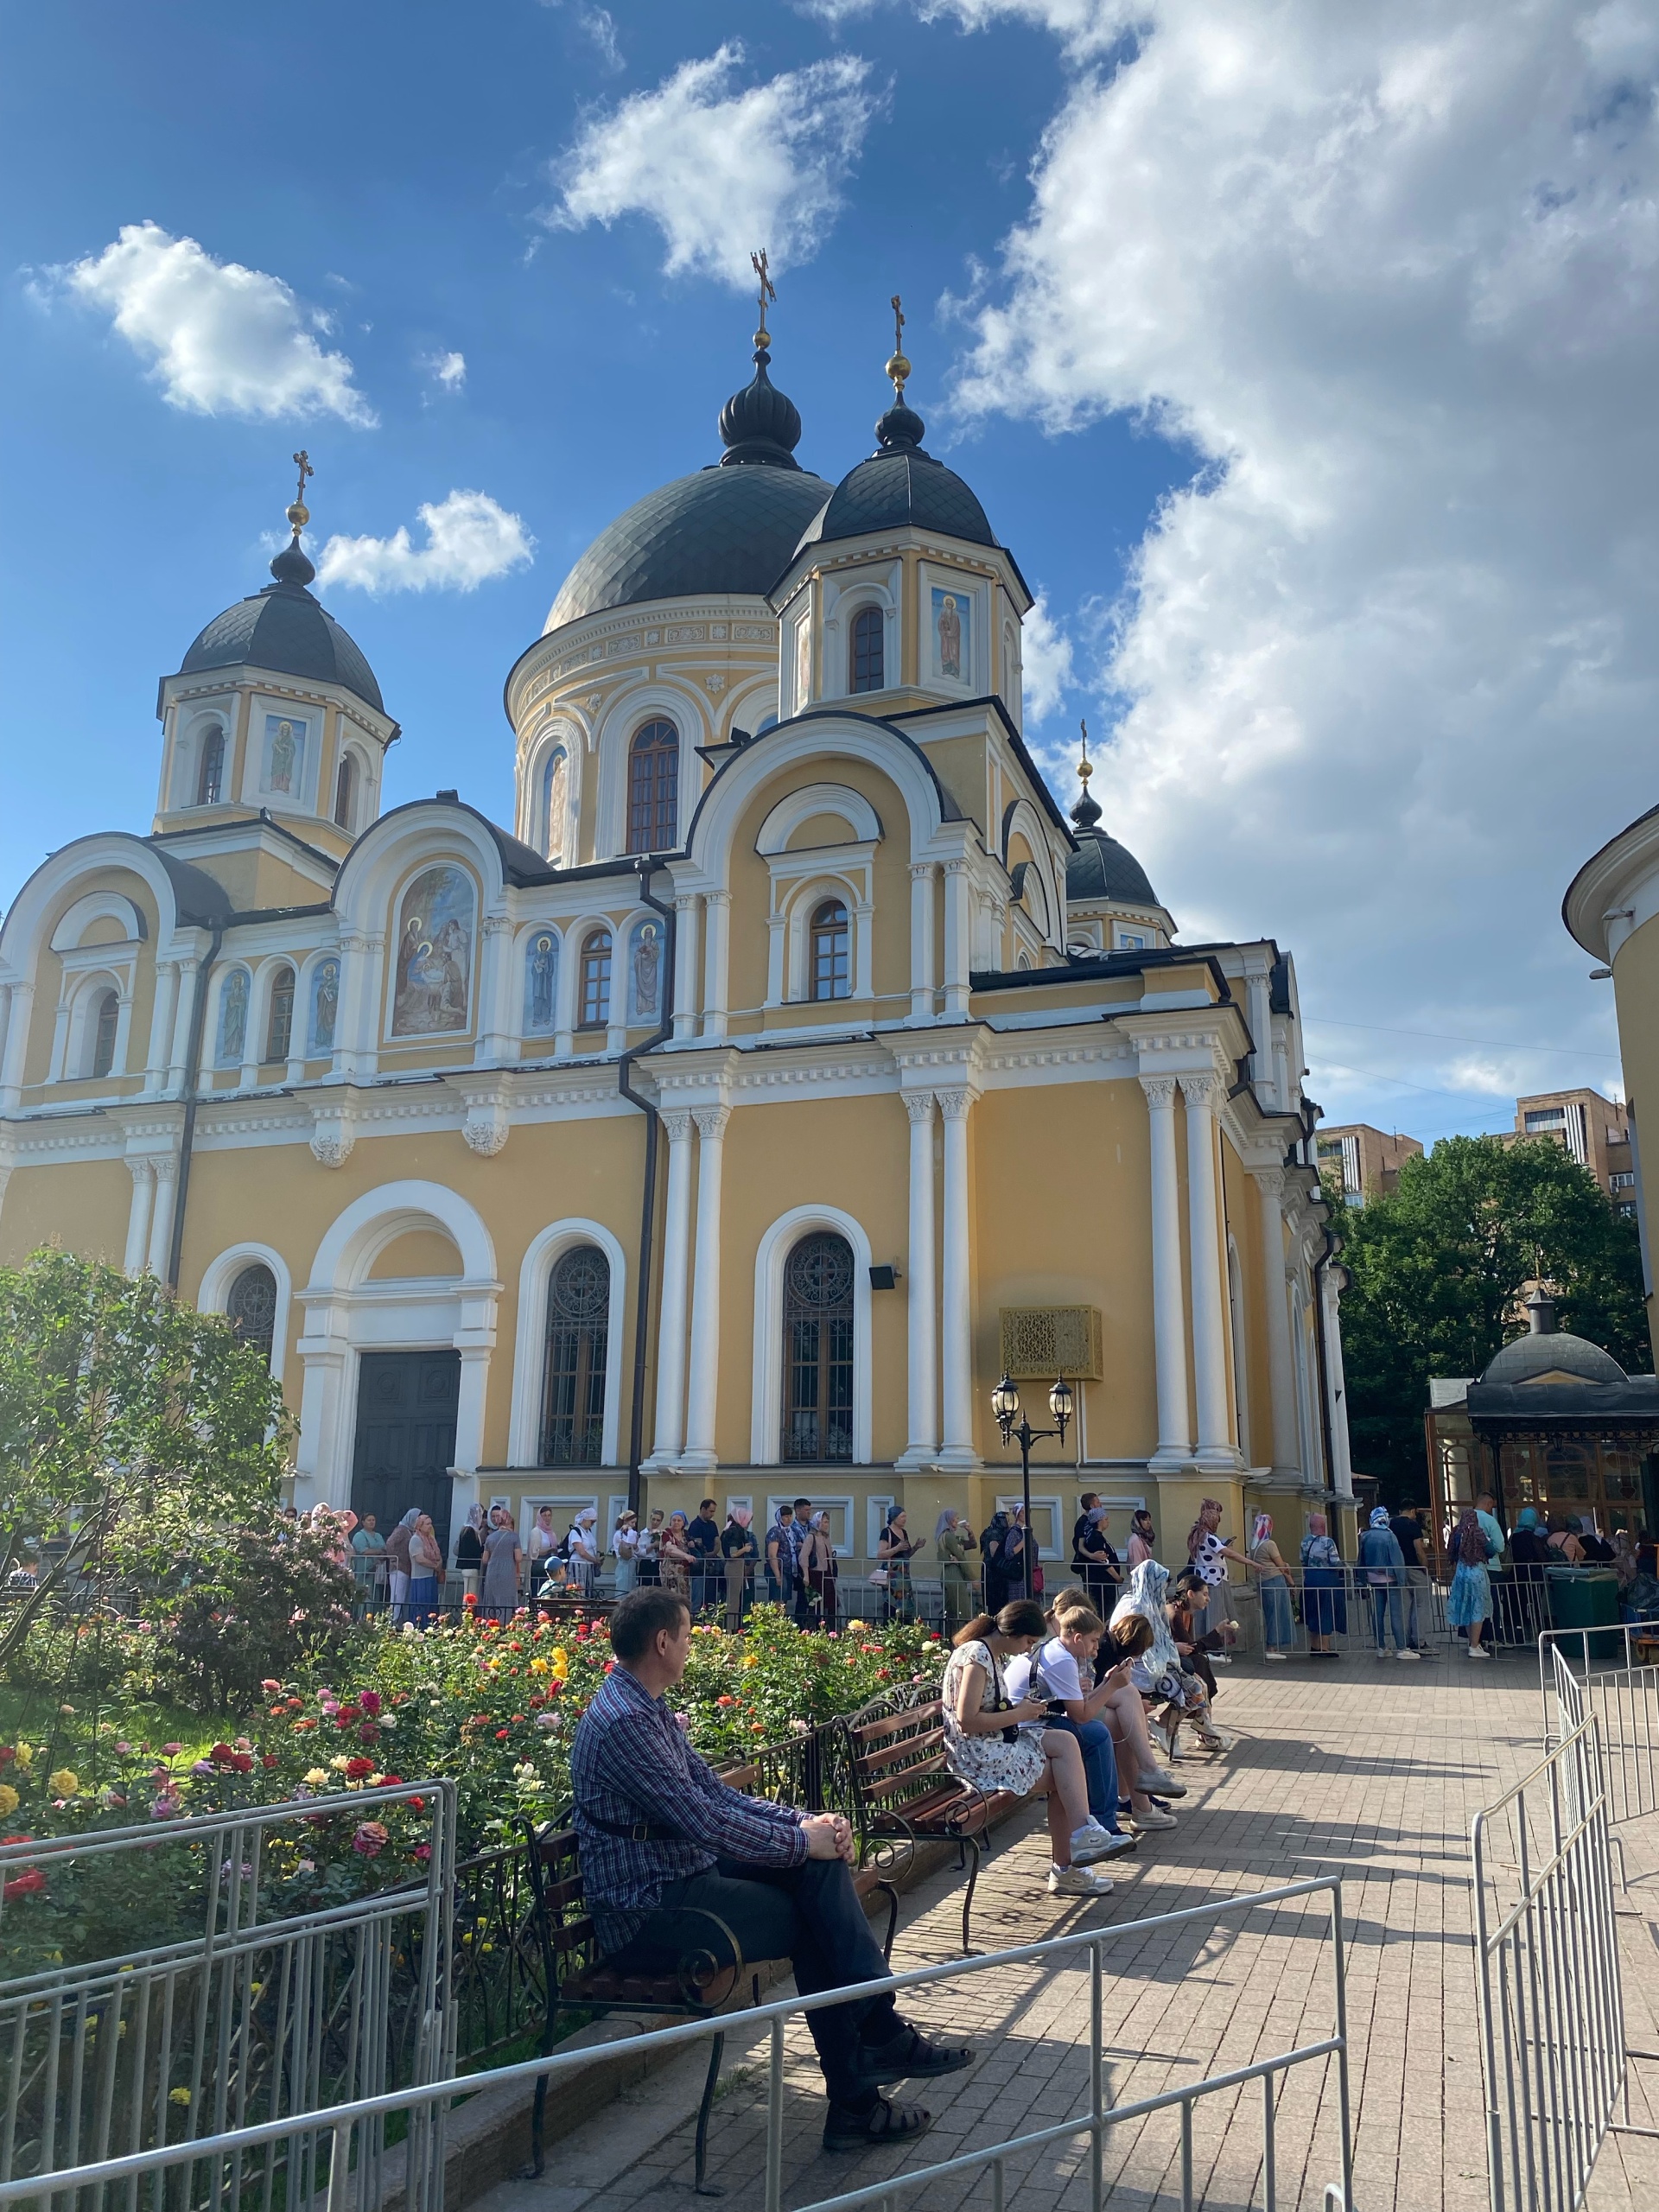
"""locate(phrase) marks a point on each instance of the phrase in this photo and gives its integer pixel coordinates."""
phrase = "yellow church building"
(790, 1069)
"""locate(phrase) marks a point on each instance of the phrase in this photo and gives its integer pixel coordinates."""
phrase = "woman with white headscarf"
(1158, 1674)
(397, 1565)
(818, 1564)
(957, 1547)
(582, 1551)
(1278, 1626)
(498, 1597)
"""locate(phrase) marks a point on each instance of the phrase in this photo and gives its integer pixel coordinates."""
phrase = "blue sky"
(1337, 531)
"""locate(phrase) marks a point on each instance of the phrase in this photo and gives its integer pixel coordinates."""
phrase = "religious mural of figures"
(233, 1019)
(952, 645)
(325, 1006)
(541, 982)
(645, 971)
(435, 955)
(556, 786)
(284, 753)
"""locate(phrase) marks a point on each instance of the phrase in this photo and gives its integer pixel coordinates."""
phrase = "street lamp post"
(1004, 1404)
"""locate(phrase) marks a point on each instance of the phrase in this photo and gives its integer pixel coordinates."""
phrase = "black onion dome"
(1102, 868)
(723, 530)
(282, 628)
(759, 426)
(899, 487)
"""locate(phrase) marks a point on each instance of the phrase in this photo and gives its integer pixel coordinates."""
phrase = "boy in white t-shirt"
(1055, 1671)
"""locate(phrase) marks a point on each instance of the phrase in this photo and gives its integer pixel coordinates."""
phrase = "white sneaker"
(1147, 1823)
(1275, 1654)
(1078, 1882)
(1381, 1652)
(1092, 1841)
(1157, 1784)
(1408, 1655)
(1479, 1652)
(1221, 1659)
(1216, 1739)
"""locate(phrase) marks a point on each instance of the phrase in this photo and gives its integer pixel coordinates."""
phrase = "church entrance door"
(406, 1436)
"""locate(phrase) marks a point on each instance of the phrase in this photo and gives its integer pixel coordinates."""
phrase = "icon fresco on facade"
(952, 615)
(540, 981)
(435, 955)
(325, 1005)
(284, 753)
(233, 1019)
(645, 971)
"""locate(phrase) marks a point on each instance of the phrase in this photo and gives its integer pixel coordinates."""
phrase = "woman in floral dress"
(675, 1558)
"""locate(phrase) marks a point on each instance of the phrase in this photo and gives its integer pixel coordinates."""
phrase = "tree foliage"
(1439, 1268)
(131, 1424)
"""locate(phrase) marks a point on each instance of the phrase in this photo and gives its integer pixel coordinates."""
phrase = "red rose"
(501, 1735)
(221, 1754)
(25, 1884)
(391, 1780)
(7, 1752)
(269, 1761)
(368, 1733)
(369, 1702)
(517, 1718)
(241, 1761)
(356, 1769)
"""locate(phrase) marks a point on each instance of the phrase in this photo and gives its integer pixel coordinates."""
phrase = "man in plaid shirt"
(665, 1841)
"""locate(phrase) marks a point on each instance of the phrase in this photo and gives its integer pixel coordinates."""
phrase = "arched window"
(654, 788)
(578, 1327)
(251, 1308)
(831, 969)
(279, 1024)
(345, 791)
(210, 777)
(595, 1007)
(818, 1349)
(106, 1015)
(868, 650)
(555, 796)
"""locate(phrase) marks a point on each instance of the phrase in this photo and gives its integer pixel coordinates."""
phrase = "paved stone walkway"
(1371, 1772)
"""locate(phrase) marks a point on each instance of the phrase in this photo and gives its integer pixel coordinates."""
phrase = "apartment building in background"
(1368, 1159)
(1594, 1129)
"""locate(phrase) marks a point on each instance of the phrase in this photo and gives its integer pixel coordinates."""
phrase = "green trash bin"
(1586, 1597)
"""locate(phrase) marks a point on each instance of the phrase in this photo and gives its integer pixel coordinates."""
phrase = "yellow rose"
(340, 1764)
(9, 1799)
(539, 1666)
(316, 1777)
(561, 1660)
(25, 1757)
(751, 1658)
(65, 1783)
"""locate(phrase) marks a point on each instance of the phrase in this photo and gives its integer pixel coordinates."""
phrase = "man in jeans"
(702, 1537)
(1409, 1534)
(800, 1528)
(664, 1842)
(780, 1557)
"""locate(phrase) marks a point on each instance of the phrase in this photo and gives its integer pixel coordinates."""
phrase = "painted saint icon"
(233, 1019)
(540, 978)
(284, 753)
(645, 971)
(951, 615)
(435, 955)
(325, 1005)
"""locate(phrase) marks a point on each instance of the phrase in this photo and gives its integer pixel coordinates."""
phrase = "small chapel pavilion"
(791, 1068)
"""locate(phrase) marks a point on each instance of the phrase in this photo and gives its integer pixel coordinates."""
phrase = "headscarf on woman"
(1262, 1528)
(1204, 1525)
(1527, 1518)
(410, 1517)
(1098, 1515)
(1379, 1516)
(743, 1514)
(475, 1517)
(894, 1514)
(946, 1521)
(1145, 1595)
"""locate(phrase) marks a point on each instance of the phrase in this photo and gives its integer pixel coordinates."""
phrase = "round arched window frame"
(829, 951)
(279, 1021)
(210, 773)
(819, 1325)
(251, 1308)
(103, 1026)
(653, 787)
(578, 1351)
(593, 982)
(866, 650)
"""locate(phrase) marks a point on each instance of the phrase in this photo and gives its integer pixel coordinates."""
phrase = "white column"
(161, 1025)
(1332, 1280)
(863, 949)
(495, 1022)
(189, 984)
(956, 1301)
(717, 911)
(356, 1029)
(705, 1298)
(921, 941)
(19, 1006)
(161, 1220)
(922, 1448)
(142, 1172)
(470, 1397)
(670, 1328)
(1168, 1294)
(958, 939)
(1216, 1446)
(686, 904)
(1262, 1070)
(1282, 1365)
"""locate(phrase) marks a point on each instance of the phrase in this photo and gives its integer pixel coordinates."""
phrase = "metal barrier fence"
(1553, 2050)
(241, 2012)
(224, 2172)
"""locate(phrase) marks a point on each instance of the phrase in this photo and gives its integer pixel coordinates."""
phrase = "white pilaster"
(495, 1022)
(20, 1002)
(1281, 1364)
(921, 941)
(705, 1297)
(1332, 1280)
(1262, 1070)
(670, 1328)
(958, 939)
(717, 916)
(922, 1448)
(863, 920)
(143, 1171)
(686, 906)
(1216, 1447)
(166, 1169)
(1168, 1293)
(956, 1303)
(189, 984)
(161, 1027)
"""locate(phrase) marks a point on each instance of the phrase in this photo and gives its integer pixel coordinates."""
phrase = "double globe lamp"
(1004, 1404)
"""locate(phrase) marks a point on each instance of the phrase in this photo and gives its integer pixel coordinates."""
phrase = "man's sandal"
(909, 2057)
(886, 2122)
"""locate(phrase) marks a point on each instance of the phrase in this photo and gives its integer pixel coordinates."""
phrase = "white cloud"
(1045, 661)
(601, 25)
(470, 540)
(1388, 668)
(722, 167)
(222, 339)
(448, 369)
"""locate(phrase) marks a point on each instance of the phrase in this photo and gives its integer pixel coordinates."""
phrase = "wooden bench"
(710, 1978)
(903, 1789)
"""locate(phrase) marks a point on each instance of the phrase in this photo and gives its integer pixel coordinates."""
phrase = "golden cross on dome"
(1084, 770)
(768, 292)
(898, 368)
(299, 514)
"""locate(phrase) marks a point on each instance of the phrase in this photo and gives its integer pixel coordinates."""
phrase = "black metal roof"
(1554, 1351)
(903, 489)
(723, 530)
(1102, 868)
(282, 628)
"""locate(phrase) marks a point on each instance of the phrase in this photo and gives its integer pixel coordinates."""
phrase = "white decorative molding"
(487, 1122)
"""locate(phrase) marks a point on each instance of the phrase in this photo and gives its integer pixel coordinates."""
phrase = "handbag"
(878, 1576)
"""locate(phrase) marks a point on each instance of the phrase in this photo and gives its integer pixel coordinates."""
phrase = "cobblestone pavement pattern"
(1352, 1771)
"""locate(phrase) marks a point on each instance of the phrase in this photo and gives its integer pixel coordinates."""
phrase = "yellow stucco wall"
(83, 1205)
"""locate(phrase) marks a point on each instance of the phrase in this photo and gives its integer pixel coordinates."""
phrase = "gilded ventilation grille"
(1050, 1340)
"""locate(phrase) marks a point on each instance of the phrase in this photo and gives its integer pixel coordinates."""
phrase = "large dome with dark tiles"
(728, 528)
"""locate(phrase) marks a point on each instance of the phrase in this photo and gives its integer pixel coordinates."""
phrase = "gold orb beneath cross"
(898, 368)
(299, 514)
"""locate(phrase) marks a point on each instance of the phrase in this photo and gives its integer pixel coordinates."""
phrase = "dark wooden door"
(406, 1436)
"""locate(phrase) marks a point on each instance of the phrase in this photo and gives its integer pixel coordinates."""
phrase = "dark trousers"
(1099, 1766)
(808, 1913)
